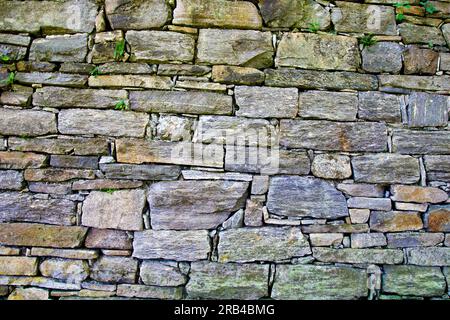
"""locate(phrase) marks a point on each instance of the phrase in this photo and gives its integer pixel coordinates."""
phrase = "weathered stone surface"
(14, 53)
(382, 57)
(125, 68)
(260, 185)
(312, 79)
(336, 228)
(42, 282)
(54, 188)
(372, 256)
(422, 142)
(57, 175)
(420, 61)
(361, 190)
(22, 207)
(26, 122)
(262, 244)
(436, 256)
(21, 160)
(431, 83)
(149, 292)
(427, 110)
(183, 153)
(305, 196)
(51, 79)
(386, 168)
(438, 219)
(108, 239)
(235, 47)
(368, 240)
(83, 254)
(141, 172)
(119, 123)
(446, 31)
(409, 206)
(160, 46)
(156, 273)
(70, 98)
(17, 95)
(331, 166)
(209, 280)
(72, 271)
(266, 102)
(381, 204)
(138, 14)
(191, 245)
(235, 131)
(194, 204)
(333, 136)
(354, 17)
(237, 75)
(413, 281)
(11, 180)
(438, 167)
(395, 221)
(305, 50)
(412, 33)
(103, 184)
(418, 194)
(359, 215)
(66, 48)
(28, 234)
(174, 128)
(253, 213)
(297, 14)
(20, 293)
(215, 175)
(81, 162)
(131, 80)
(48, 16)
(325, 239)
(114, 270)
(414, 239)
(181, 102)
(62, 145)
(444, 61)
(18, 266)
(319, 282)
(182, 70)
(217, 13)
(328, 105)
(379, 106)
(120, 209)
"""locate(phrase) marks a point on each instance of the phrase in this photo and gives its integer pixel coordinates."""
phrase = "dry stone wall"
(291, 149)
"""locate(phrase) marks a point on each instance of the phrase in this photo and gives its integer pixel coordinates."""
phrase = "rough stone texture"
(438, 167)
(395, 221)
(108, 239)
(28, 294)
(437, 256)
(418, 194)
(439, 219)
(419, 142)
(217, 13)
(293, 282)
(155, 273)
(234, 47)
(382, 57)
(115, 270)
(149, 292)
(11, 180)
(305, 196)
(421, 34)
(26, 122)
(18, 266)
(420, 61)
(374, 256)
(431, 83)
(51, 79)
(73, 271)
(414, 239)
(361, 189)
(67, 48)
(368, 240)
(21, 160)
(210, 280)
(331, 166)
(338, 106)
(262, 244)
(237, 75)
(370, 203)
(378, 106)
(427, 110)
(140, 172)
(306, 50)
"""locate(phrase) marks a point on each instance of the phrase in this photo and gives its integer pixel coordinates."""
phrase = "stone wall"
(121, 124)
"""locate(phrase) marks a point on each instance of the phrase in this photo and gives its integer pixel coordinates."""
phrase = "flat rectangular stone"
(140, 172)
(102, 122)
(408, 206)
(201, 86)
(65, 48)
(325, 240)
(130, 81)
(294, 282)
(21, 160)
(182, 70)
(207, 175)
(386, 168)
(436, 256)
(104, 184)
(191, 245)
(149, 292)
(304, 50)
(217, 13)
(418, 194)
(192, 102)
(379, 106)
(51, 79)
(22, 207)
(41, 235)
(108, 239)
(78, 162)
(114, 270)
(336, 228)
(57, 175)
(62, 145)
(15, 39)
(48, 16)
(395, 221)
(361, 190)
(382, 204)
(431, 83)
(340, 106)
(17, 96)
(185, 205)
(262, 244)
(266, 102)
(182, 153)
(245, 48)
(8, 251)
(421, 142)
(372, 256)
(412, 33)
(160, 46)
(414, 239)
(237, 75)
(333, 136)
(70, 98)
(82, 254)
(166, 274)
(26, 122)
(41, 282)
(11, 180)
(427, 110)
(437, 168)
(54, 188)
(209, 280)
(14, 53)
(125, 68)
(368, 240)
(18, 266)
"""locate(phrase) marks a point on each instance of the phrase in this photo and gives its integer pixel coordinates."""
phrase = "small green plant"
(110, 191)
(10, 79)
(5, 58)
(121, 105)
(368, 40)
(25, 136)
(429, 7)
(430, 44)
(314, 27)
(400, 16)
(119, 50)
(95, 72)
